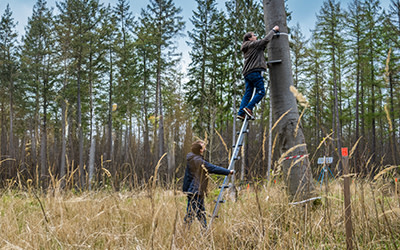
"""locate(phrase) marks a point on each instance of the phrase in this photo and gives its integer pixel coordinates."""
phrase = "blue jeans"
(195, 207)
(252, 80)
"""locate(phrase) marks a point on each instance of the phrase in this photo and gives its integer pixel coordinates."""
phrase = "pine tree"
(392, 71)
(8, 71)
(357, 46)
(146, 63)
(373, 23)
(298, 46)
(328, 27)
(200, 84)
(317, 95)
(78, 20)
(127, 74)
(37, 60)
(168, 24)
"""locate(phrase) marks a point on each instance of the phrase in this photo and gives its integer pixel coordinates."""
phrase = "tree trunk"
(146, 141)
(3, 141)
(171, 155)
(373, 121)
(80, 129)
(110, 93)
(33, 139)
(11, 149)
(161, 127)
(298, 176)
(336, 124)
(63, 144)
(159, 108)
(357, 116)
(91, 160)
(393, 130)
(43, 144)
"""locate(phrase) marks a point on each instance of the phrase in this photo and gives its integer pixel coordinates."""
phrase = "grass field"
(261, 218)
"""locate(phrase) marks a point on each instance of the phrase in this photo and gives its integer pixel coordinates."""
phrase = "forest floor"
(260, 218)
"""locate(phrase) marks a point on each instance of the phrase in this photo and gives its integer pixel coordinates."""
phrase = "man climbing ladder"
(254, 65)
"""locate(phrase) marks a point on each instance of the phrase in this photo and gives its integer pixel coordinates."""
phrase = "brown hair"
(197, 146)
(247, 36)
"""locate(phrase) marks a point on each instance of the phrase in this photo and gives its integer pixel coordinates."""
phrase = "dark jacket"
(197, 169)
(253, 53)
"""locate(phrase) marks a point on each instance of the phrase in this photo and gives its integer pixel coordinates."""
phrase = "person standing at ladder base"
(196, 180)
(254, 65)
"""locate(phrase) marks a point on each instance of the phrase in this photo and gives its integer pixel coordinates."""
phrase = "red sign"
(345, 152)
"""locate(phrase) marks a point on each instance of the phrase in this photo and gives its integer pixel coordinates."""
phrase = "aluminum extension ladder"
(239, 143)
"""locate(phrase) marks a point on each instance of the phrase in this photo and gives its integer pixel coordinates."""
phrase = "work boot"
(240, 117)
(249, 113)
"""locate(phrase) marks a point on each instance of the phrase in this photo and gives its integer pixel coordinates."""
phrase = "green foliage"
(92, 56)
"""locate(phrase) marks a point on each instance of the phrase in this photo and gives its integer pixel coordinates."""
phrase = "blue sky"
(303, 11)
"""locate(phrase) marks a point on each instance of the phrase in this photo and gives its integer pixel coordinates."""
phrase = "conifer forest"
(94, 96)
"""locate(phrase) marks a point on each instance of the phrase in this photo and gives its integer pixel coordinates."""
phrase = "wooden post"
(347, 205)
(396, 192)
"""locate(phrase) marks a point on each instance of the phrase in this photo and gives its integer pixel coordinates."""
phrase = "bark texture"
(296, 171)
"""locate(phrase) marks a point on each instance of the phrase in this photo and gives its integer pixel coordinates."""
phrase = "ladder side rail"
(238, 143)
(233, 157)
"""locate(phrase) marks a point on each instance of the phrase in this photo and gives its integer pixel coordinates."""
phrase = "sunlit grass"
(261, 218)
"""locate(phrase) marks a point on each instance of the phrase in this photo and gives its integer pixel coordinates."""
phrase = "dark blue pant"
(195, 207)
(252, 80)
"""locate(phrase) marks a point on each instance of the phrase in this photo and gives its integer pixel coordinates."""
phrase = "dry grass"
(260, 219)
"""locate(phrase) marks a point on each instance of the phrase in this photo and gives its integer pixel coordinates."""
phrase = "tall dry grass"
(262, 218)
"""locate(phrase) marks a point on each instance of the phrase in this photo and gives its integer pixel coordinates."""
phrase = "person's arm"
(213, 169)
(268, 37)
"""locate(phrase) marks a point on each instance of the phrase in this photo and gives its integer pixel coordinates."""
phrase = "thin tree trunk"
(362, 122)
(373, 159)
(357, 118)
(161, 127)
(110, 93)
(146, 143)
(336, 126)
(171, 155)
(156, 121)
(91, 160)
(63, 143)
(11, 149)
(43, 145)
(3, 141)
(393, 137)
(80, 130)
(23, 155)
(159, 108)
(33, 139)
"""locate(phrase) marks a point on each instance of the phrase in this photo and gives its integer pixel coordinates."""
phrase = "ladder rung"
(236, 158)
(226, 186)
(221, 201)
(244, 132)
(238, 145)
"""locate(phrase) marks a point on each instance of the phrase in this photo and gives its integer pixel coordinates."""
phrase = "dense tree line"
(349, 71)
(94, 96)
